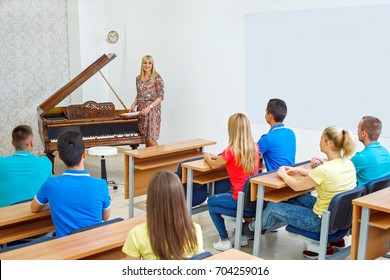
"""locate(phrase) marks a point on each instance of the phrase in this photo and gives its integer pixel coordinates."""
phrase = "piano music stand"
(104, 151)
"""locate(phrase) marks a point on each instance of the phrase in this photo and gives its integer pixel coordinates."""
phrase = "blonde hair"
(240, 138)
(171, 231)
(343, 140)
(153, 73)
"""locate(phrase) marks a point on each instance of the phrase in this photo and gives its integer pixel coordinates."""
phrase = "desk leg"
(131, 187)
(189, 190)
(211, 188)
(259, 213)
(364, 225)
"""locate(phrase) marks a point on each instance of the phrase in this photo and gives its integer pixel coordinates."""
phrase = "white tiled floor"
(274, 246)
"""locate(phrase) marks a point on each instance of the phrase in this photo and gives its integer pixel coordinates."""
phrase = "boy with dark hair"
(76, 199)
(278, 146)
(22, 174)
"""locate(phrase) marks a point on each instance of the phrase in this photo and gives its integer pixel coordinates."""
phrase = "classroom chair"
(97, 225)
(245, 209)
(378, 184)
(201, 256)
(338, 217)
(199, 194)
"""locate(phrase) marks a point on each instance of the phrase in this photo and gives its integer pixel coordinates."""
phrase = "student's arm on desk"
(36, 207)
(214, 161)
(305, 183)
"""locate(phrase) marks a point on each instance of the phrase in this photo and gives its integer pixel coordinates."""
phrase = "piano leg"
(51, 158)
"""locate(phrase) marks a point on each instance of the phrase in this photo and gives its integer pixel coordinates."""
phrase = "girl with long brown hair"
(169, 233)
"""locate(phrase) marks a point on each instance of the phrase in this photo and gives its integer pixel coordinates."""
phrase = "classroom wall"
(34, 62)
(199, 50)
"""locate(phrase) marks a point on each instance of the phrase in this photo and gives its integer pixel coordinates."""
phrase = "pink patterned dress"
(147, 92)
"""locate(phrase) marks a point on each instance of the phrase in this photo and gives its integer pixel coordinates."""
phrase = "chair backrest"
(201, 256)
(378, 184)
(97, 225)
(199, 191)
(340, 208)
(248, 204)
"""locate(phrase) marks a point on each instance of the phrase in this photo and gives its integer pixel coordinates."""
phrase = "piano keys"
(99, 123)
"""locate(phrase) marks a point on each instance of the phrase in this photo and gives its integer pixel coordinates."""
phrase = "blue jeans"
(215, 204)
(297, 212)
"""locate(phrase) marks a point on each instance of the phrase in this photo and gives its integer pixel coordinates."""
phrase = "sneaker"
(314, 256)
(247, 231)
(222, 245)
(338, 244)
(244, 240)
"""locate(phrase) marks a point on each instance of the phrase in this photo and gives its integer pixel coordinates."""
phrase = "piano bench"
(103, 151)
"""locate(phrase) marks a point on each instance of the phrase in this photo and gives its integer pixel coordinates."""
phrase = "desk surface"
(232, 254)
(199, 165)
(276, 189)
(169, 148)
(20, 213)
(79, 245)
(273, 180)
(379, 200)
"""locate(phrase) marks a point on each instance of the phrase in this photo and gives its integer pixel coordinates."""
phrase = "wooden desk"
(17, 222)
(198, 171)
(142, 164)
(99, 243)
(270, 187)
(371, 239)
(232, 254)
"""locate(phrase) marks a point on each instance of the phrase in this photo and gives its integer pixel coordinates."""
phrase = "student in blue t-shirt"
(22, 174)
(76, 199)
(278, 146)
(374, 161)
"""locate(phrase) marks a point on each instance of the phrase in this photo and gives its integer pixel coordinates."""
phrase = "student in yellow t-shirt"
(335, 175)
(168, 233)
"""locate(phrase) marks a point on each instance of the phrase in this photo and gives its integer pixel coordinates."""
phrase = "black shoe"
(247, 231)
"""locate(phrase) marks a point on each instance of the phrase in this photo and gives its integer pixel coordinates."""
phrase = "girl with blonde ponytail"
(334, 175)
(241, 158)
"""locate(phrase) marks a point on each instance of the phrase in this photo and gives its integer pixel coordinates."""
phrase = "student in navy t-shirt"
(76, 199)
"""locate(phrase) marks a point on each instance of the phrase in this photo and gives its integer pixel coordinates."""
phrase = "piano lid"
(67, 89)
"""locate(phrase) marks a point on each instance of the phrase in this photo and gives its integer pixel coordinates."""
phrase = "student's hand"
(213, 157)
(315, 161)
(291, 170)
(282, 171)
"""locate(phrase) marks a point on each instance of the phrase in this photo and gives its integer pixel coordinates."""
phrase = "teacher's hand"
(145, 111)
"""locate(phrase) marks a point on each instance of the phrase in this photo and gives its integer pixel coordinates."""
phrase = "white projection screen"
(331, 66)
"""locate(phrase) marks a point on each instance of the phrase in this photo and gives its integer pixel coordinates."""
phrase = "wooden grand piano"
(99, 123)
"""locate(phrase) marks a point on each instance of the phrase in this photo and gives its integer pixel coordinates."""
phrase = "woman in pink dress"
(150, 93)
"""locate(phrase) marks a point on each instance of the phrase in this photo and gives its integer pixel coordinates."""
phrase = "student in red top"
(241, 158)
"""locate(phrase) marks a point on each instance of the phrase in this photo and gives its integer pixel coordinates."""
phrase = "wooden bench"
(103, 242)
(18, 222)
